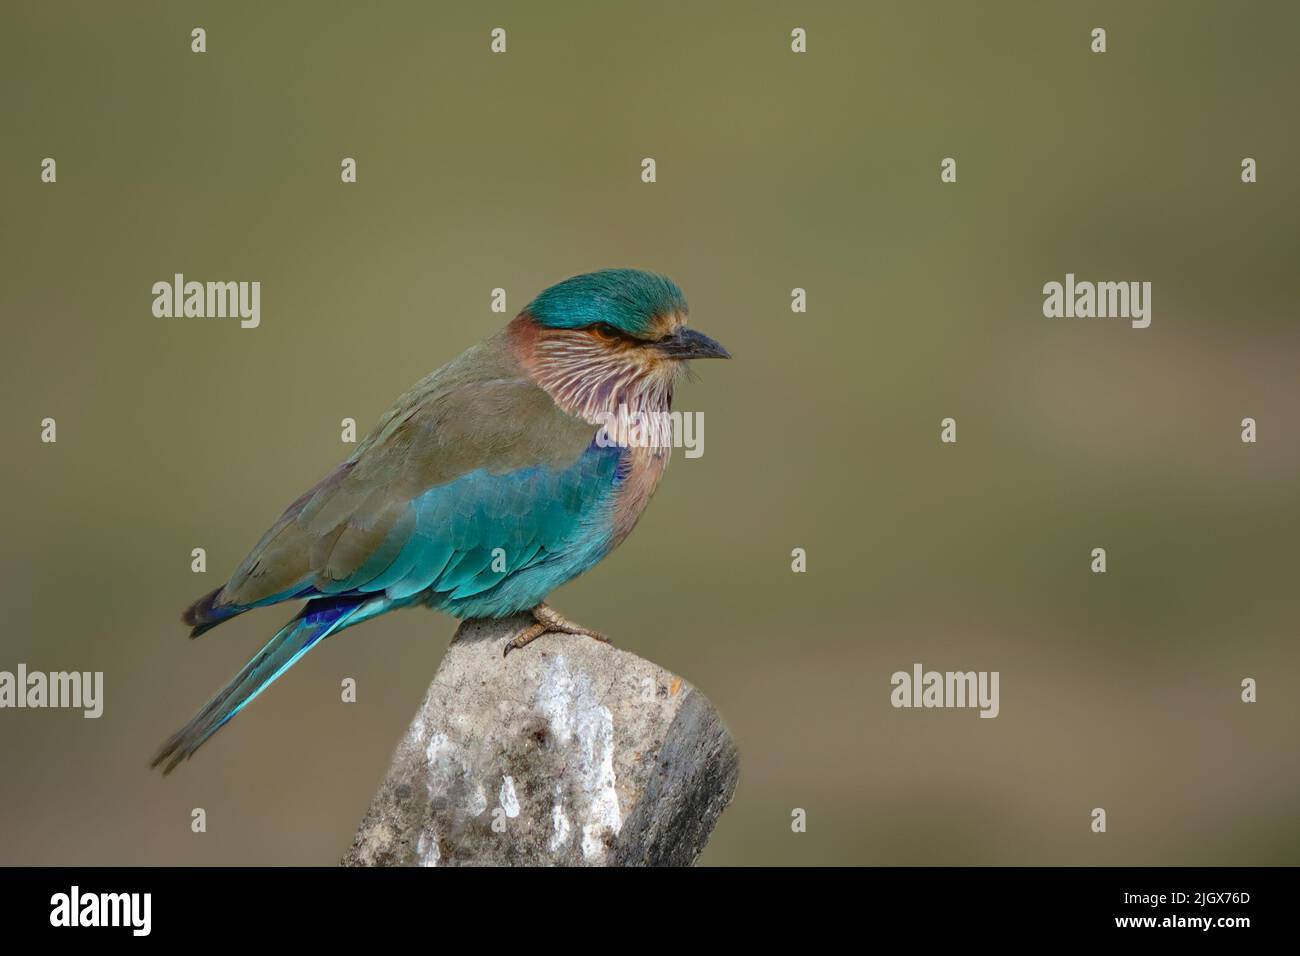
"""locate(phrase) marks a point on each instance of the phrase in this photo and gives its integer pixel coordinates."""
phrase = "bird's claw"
(547, 620)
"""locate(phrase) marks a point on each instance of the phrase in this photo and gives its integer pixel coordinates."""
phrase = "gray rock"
(567, 752)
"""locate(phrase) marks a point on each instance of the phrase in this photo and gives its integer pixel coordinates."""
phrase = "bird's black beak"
(688, 344)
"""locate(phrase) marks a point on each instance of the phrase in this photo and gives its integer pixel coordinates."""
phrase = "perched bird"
(490, 483)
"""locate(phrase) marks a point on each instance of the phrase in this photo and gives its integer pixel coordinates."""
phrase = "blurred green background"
(775, 170)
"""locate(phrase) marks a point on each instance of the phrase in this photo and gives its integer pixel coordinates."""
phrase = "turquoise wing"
(487, 545)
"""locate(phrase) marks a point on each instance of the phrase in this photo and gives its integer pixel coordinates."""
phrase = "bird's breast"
(642, 467)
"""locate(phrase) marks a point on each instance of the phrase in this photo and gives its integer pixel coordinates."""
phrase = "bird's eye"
(605, 331)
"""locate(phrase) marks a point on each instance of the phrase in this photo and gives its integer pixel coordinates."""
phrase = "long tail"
(317, 621)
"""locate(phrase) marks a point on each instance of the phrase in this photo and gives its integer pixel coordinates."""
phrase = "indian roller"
(490, 483)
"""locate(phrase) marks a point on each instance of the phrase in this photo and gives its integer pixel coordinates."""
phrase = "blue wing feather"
(550, 524)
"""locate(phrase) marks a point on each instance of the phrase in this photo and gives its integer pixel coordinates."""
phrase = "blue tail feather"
(317, 620)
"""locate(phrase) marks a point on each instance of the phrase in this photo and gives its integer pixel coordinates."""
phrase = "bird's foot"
(545, 620)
